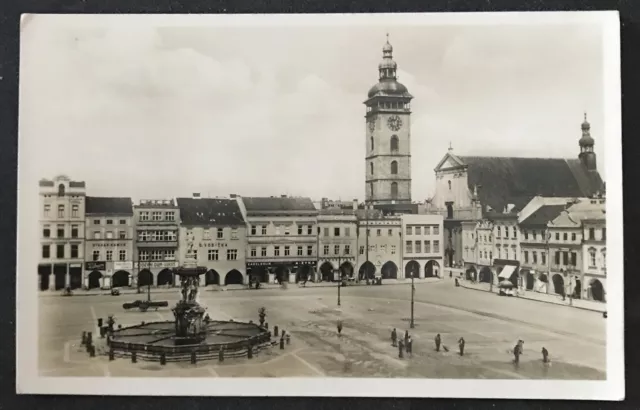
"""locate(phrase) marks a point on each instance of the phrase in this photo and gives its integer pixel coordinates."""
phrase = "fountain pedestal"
(190, 326)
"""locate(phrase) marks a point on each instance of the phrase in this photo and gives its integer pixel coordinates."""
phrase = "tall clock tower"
(388, 141)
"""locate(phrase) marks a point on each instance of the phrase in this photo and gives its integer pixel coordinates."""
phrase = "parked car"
(115, 292)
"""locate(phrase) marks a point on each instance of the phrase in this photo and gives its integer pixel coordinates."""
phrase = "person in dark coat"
(339, 327)
(461, 346)
(438, 341)
(545, 355)
(406, 336)
(516, 353)
(394, 337)
(400, 348)
(410, 346)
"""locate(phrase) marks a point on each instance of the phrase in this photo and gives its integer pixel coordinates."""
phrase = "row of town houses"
(102, 242)
(555, 244)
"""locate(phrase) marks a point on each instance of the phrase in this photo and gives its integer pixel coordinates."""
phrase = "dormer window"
(61, 190)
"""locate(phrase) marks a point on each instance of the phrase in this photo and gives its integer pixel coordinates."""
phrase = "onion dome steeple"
(587, 155)
(387, 75)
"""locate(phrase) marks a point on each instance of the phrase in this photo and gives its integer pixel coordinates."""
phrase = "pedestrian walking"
(406, 336)
(410, 346)
(516, 353)
(339, 326)
(400, 348)
(545, 355)
(438, 341)
(461, 346)
(394, 337)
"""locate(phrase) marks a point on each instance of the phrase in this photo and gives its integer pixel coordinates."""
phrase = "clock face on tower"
(394, 123)
(372, 124)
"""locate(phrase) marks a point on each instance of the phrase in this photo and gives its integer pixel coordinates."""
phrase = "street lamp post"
(413, 291)
(339, 280)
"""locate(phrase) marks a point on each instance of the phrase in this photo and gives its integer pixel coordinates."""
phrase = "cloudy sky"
(147, 110)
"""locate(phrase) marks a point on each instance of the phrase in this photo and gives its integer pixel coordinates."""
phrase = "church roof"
(513, 180)
(210, 211)
(257, 204)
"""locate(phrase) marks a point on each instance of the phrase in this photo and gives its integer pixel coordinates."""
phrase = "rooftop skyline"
(154, 112)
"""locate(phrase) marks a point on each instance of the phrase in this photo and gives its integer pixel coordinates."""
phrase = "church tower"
(587, 155)
(388, 137)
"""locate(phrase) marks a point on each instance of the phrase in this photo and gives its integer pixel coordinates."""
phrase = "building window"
(264, 229)
(60, 251)
(253, 252)
(395, 144)
(60, 231)
(234, 233)
(574, 259)
(604, 234)
(557, 258)
(565, 258)
(499, 233)
(287, 251)
(378, 232)
(310, 230)
(96, 222)
(557, 236)
(534, 255)
(156, 216)
(326, 231)
(144, 216)
(436, 246)
(592, 258)
(276, 251)
(47, 208)
(506, 232)
(390, 232)
(46, 249)
(300, 251)
(143, 255)
(206, 234)
(96, 254)
(336, 249)
(263, 251)
(393, 249)
(418, 230)
(253, 229)
(427, 246)
(109, 235)
(347, 231)
(564, 236)
(409, 231)
(169, 216)
(427, 230)
(46, 231)
(409, 247)
(526, 235)
(122, 255)
(336, 231)
(347, 250)
(212, 254)
(361, 250)
(220, 233)
(394, 167)
(299, 229)
(109, 221)
(543, 257)
(394, 190)
(325, 250)
(123, 222)
(604, 259)
(232, 254)
(287, 230)
(372, 145)
(60, 211)
(74, 211)
(109, 255)
(309, 250)
(418, 246)
(500, 252)
(96, 235)
(436, 231)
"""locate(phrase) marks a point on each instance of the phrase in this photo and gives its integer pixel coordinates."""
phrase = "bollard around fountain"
(275, 330)
(112, 355)
(288, 337)
(119, 327)
(250, 352)
(89, 338)
(134, 357)
(281, 344)
(83, 341)
(92, 351)
(163, 359)
(100, 322)
(221, 354)
(193, 357)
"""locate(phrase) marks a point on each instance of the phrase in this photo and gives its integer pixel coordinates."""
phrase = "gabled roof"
(543, 215)
(512, 180)
(450, 160)
(210, 211)
(108, 206)
(255, 204)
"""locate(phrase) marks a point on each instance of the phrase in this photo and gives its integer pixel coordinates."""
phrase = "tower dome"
(388, 84)
(586, 140)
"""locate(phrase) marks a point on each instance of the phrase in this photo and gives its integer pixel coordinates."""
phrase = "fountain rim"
(190, 271)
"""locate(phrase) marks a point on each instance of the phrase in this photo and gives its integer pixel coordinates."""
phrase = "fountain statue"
(188, 312)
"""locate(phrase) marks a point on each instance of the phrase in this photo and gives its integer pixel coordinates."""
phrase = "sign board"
(120, 265)
(75, 265)
(95, 265)
(156, 264)
(289, 263)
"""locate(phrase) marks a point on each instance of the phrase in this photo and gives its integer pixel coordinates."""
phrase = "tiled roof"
(511, 180)
(210, 211)
(278, 204)
(543, 215)
(337, 211)
(108, 206)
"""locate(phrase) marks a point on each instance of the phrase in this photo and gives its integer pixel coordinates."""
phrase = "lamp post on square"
(413, 291)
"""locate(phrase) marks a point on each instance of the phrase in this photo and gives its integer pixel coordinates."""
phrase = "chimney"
(283, 196)
(232, 196)
(196, 195)
(355, 204)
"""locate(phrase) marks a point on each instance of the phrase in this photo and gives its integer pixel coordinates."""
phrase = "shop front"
(281, 271)
(155, 273)
(95, 276)
(122, 273)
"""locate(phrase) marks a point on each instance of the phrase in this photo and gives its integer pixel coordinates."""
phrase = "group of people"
(403, 344)
(518, 349)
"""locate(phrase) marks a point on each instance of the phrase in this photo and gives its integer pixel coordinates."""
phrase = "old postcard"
(418, 205)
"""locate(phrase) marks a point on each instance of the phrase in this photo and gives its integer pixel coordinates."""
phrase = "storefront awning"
(507, 271)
